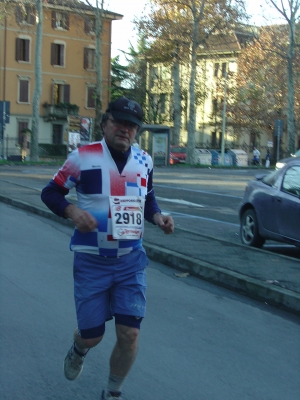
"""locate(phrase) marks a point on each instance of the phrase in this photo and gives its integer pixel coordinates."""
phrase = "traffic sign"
(278, 131)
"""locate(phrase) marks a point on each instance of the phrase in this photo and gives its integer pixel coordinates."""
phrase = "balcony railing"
(59, 111)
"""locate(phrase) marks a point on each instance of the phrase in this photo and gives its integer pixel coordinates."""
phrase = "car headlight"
(279, 165)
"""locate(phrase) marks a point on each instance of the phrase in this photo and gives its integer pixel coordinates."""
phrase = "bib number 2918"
(127, 217)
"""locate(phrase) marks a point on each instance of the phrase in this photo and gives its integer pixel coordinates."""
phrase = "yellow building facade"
(68, 71)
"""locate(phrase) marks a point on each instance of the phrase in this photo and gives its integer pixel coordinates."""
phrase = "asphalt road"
(198, 341)
(204, 201)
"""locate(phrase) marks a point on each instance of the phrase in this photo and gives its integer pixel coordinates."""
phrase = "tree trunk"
(177, 102)
(34, 146)
(191, 116)
(291, 90)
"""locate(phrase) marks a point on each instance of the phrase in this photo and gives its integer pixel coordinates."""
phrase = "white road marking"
(178, 201)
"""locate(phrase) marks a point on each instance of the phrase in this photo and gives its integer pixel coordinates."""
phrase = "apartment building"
(216, 72)
(68, 70)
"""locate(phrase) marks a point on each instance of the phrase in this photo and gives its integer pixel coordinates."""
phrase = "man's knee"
(127, 335)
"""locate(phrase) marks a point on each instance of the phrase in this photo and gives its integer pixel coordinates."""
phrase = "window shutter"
(85, 58)
(32, 15)
(67, 22)
(90, 99)
(22, 126)
(66, 93)
(24, 86)
(53, 48)
(27, 44)
(53, 19)
(18, 49)
(86, 26)
(18, 14)
(62, 50)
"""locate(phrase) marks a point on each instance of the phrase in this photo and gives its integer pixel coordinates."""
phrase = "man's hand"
(83, 220)
(165, 222)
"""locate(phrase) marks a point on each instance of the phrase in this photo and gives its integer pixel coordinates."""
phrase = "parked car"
(270, 208)
(177, 154)
(282, 162)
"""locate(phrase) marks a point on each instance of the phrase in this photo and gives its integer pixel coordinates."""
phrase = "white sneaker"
(73, 364)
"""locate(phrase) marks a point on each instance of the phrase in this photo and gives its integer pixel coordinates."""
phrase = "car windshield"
(297, 154)
(178, 150)
(271, 178)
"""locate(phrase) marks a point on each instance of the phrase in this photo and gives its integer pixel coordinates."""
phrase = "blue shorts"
(104, 287)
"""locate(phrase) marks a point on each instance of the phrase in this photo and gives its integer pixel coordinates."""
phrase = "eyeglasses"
(122, 123)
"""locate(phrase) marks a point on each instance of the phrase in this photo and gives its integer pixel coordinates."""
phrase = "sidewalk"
(271, 278)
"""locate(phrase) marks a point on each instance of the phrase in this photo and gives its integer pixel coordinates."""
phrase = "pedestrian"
(114, 185)
(268, 158)
(256, 156)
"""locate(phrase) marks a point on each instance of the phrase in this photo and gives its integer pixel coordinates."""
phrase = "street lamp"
(224, 114)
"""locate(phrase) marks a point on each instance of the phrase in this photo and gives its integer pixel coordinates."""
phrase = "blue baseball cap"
(126, 109)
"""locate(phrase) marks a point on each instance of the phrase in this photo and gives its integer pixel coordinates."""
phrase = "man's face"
(119, 134)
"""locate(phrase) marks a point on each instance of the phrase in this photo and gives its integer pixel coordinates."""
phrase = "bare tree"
(290, 11)
(192, 23)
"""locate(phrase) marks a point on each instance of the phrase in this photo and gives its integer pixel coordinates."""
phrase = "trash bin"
(227, 159)
(217, 158)
(203, 156)
(214, 157)
(239, 157)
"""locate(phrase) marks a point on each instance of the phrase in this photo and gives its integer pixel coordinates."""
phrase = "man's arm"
(53, 195)
(153, 212)
(164, 222)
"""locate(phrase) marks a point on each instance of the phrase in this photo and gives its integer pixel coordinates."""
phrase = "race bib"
(127, 216)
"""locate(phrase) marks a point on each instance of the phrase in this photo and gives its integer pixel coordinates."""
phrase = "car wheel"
(249, 230)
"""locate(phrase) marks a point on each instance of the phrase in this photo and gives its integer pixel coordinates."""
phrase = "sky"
(123, 31)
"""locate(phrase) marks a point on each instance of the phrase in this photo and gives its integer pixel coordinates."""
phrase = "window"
(216, 70)
(215, 105)
(57, 134)
(162, 105)
(61, 93)
(89, 26)
(153, 76)
(23, 96)
(22, 49)
(224, 70)
(214, 139)
(89, 59)
(291, 181)
(60, 20)
(22, 126)
(25, 14)
(91, 97)
(58, 54)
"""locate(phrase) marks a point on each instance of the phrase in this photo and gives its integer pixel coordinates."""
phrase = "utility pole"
(224, 121)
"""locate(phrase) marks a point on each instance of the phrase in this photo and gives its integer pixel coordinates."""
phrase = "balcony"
(59, 111)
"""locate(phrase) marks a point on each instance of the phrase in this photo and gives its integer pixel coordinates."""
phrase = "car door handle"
(278, 199)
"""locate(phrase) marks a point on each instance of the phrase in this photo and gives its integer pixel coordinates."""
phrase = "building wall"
(214, 88)
(72, 73)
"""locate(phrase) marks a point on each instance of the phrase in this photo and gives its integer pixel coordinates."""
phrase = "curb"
(275, 296)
